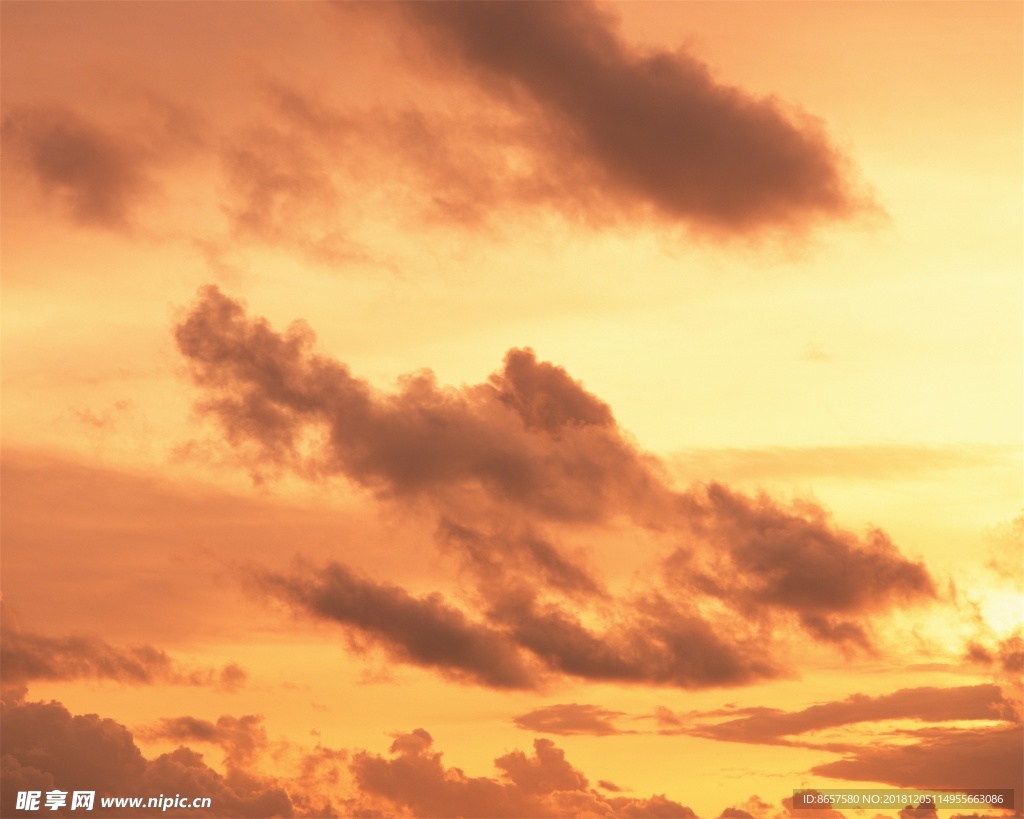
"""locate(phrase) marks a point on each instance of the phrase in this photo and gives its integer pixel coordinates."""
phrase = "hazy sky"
(512, 409)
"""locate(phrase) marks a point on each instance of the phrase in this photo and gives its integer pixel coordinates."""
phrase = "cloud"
(241, 738)
(772, 726)
(495, 462)
(939, 758)
(424, 631)
(646, 641)
(529, 437)
(932, 756)
(97, 176)
(650, 640)
(1008, 655)
(543, 784)
(26, 656)
(43, 744)
(45, 747)
(655, 129)
(502, 559)
(571, 718)
(770, 559)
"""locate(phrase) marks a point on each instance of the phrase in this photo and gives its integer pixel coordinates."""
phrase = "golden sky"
(511, 409)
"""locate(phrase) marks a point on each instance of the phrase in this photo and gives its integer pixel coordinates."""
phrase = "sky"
(511, 409)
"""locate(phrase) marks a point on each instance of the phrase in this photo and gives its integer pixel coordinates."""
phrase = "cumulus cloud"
(655, 128)
(530, 436)
(241, 738)
(542, 784)
(97, 176)
(26, 656)
(45, 746)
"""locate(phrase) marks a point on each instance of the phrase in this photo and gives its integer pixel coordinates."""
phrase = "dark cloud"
(772, 559)
(1006, 656)
(97, 176)
(543, 784)
(530, 436)
(939, 758)
(241, 738)
(653, 641)
(505, 558)
(424, 631)
(44, 745)
(26, 656)
(773, 726)
(571, 718)
(656, 130)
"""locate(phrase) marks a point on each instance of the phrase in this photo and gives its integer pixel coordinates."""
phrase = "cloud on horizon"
(543, 784)
(773, 726)
(45, 747)
(938, 758)
(26, 656)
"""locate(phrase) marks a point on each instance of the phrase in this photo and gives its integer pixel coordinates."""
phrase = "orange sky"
(511, 409)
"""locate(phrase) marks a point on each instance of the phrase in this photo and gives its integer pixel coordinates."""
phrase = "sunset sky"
(512, 409)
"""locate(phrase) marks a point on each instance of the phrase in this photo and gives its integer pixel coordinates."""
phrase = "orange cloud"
(772, 726)
(769, 559)
(44, 747)
(530, 437)
(939, 758)
(496, 461)
(571, 718)
(26, 656)
(96, 176)
(425, 631)
(544, 784)
(654, 129)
